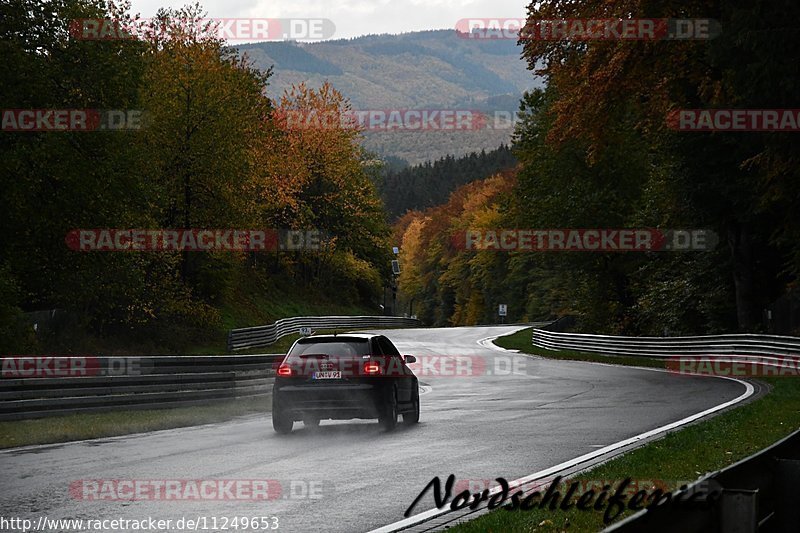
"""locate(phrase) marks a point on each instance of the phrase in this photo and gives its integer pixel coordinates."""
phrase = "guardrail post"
(738, 511)
(787, 514)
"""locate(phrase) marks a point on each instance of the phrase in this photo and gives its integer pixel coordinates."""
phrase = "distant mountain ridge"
(418, 70)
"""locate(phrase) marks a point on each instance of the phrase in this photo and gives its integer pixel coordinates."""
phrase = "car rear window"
(336, 347)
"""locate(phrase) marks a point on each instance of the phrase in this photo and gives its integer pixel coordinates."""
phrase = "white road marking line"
(433, 513)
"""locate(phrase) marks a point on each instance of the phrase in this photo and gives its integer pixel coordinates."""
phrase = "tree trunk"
(187, 202)
(741, 245)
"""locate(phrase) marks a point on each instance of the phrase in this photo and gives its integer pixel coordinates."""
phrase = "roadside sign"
(396, 267)
(395, 250)
(305, 331)
(502, 310)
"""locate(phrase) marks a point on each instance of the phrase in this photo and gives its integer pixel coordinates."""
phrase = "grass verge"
(680, 456)
(93, 425)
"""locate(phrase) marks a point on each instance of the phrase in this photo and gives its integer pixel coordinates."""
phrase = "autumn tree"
(313, 175)
(740, 183)
(206, 110)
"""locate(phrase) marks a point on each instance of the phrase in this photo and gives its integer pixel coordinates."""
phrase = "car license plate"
(327, 374)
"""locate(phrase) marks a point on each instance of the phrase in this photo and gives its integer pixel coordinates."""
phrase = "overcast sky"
(355, 17)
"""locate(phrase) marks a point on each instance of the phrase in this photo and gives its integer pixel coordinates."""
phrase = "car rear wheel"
(281, 423)
(413, 416)
(388, 416)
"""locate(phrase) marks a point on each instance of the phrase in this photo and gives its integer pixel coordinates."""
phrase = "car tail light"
(372, 368)
(284, 370)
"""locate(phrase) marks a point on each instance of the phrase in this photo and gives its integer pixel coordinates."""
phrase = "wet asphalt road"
(496, 415)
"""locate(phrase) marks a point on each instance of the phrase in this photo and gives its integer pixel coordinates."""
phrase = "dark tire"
(413, 416)
(280, 422)
(310, 422)
(388, 416)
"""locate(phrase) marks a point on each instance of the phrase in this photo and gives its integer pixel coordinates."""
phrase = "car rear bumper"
(339, 401)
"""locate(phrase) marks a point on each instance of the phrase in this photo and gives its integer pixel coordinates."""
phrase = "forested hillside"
(429, 184)
(596, 148)
(417, 70)
(596, 151)
(212, 154)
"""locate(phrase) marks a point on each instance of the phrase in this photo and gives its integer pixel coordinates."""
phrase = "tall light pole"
(395, 273)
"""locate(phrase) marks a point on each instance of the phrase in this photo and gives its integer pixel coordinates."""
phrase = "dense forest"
(213, 153)
(429, 184)
(596, 151)
(289, 55)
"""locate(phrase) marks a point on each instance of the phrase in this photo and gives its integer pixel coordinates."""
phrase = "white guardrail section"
(256, 337)
(762, 349)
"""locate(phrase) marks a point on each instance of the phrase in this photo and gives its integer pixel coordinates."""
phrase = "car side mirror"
(410, 359)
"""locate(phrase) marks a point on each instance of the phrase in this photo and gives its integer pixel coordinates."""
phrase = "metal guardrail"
(259, 336)
(167, 381)
(756, 494)
(755, 347)
(160, 381)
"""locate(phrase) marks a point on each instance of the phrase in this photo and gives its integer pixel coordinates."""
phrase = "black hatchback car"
(342, 377)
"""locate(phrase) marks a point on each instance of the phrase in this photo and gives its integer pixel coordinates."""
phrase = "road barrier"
(260, 336)
(759, 348)
(152, 382)
(756, 494)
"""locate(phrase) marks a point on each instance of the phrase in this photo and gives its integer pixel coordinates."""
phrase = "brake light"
(372, 368)
(284, 370)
